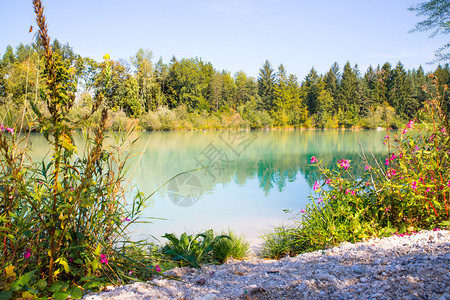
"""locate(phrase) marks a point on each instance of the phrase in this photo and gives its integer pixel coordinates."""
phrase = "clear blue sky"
(233, 34)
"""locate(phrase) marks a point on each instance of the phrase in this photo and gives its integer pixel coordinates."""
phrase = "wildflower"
(302, 211)
(328, 181)
(443, 129)
(313, 159)
(344, 163)
(393, 156)
(352, 192)
(126, 219)
(386, 161)
(404, 131)
(316, 186)
(70, 259)
(367, 183)
(386, 137)
(130, 272)
(27, 253)
(103, 259)
(2, 128)
(410, 124)
(368, 168)
(106, 56)
(387, 209)
(320, 200)
(40, 183)
(428, 189)
(157, 268)
(436, 229)
(448, 183)
(414, 185)
(10, 130)
(391, 173)
(416, 148)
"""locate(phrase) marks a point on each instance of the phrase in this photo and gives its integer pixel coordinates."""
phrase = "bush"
(235, 247)
(406, 192)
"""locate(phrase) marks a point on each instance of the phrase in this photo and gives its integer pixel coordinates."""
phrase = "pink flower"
(316, 186)
(436, 229)
(410, 124)
(386, 137)
(130, 272)
(448, 184)
(157, 268)
(391, 173)
(353, 193)
(2, 128)
(103, 259)
(416, 148)
(386, 161)
(404, 131)
(428, 189)
(302, 211)
(347, 191)
(126, 219)
(368, 183)
(10, 130)
(414, 185)
(387, 209)
(320, 200)
(70, 259)
(313, 159)
(328, 181)
(393, 156)
(367, 168)
(443, 129)
(27, 253)
(344, 163)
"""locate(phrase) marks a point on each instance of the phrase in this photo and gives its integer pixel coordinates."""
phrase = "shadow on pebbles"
(408, 268)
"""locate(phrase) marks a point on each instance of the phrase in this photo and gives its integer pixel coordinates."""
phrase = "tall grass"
(63, 221)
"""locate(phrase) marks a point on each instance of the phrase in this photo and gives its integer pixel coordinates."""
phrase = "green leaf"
(58, 286)
(75, 292)
(61, 295)
(23, 280)
(41, 284)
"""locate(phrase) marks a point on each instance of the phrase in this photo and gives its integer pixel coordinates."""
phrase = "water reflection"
(241, 179)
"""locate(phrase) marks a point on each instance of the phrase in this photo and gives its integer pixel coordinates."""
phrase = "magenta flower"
(391, 173)
(367, 168)
(130, 272)
(313, 159)
(416, 148)
(443, 129)
(302, 211)
(393, 156)
(27, 253)
(316, 186)
(10, 130)
(448, 183)
(386, 137)
(436, 229)
(157, 268)
(2, 128)
(387, 209)
(428, 189)
(410, 124)
(70, 259)
(344, 163)
(126, 219)
(414, 185)
(404, 131)
(320, 200)
(386, 161)
(103, 259)
(328, 181)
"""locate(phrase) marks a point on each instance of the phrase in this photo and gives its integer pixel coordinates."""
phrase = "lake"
(243, 180)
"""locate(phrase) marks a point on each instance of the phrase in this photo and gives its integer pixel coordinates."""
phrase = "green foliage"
(192, 249)
(234, 247)
(406, 192)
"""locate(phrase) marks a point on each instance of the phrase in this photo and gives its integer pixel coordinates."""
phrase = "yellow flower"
(106, 57)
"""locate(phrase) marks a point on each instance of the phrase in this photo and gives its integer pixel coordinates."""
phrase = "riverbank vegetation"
(189, 93)
(407, 191)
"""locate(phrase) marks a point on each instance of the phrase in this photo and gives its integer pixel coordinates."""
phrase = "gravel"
(397, 267)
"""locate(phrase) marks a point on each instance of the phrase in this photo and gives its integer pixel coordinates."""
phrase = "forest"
(190, 93)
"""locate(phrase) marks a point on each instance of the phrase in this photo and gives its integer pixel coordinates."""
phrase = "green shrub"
(192, 249)
(235, 247)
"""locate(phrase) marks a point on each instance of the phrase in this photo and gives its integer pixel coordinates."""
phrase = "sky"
(234, 35)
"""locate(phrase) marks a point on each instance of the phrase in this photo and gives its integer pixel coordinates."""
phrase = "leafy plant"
(192, 249)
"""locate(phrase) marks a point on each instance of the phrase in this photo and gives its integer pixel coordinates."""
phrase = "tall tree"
(312, 90)
(266, 84)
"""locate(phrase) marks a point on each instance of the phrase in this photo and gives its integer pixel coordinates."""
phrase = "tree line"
(146, 91)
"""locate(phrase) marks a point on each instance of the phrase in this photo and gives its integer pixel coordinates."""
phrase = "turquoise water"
(242, 180)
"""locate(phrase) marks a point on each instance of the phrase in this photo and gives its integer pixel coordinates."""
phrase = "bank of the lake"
(397, 267)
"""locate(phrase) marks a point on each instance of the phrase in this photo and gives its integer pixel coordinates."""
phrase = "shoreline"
(396, 267)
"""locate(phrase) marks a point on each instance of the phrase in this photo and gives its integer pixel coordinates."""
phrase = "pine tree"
(312, 90)
(266, 84)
